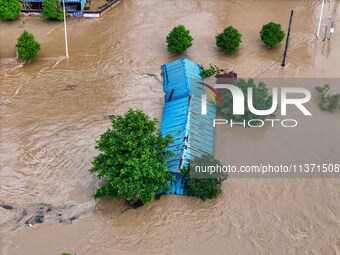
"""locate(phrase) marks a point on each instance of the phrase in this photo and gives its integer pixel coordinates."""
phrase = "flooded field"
(53, 110)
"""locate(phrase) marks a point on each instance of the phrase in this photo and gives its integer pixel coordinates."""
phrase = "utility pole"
(287, 39)
(329, 9)
(65, 31)
(331, 31)
(320, 19)
(324, 39)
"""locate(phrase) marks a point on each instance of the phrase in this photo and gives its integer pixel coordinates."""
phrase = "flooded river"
(53, 110)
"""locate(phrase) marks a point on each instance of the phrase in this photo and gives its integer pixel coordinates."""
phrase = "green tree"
(328, 103)
(272, 34)
(322, 90)
(261, 101)
(9, 9)
(132, 162)
(27, 46)
(179, 39)
(203, 188)
(51, 9)
(212, 70)
(229, 40)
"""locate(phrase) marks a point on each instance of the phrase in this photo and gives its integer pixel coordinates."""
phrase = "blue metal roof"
(193, 132)
(175, 118)
(177, 75)
(177, 186)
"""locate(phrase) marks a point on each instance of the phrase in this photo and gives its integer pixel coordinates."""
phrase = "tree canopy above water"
(132, 159)
(272, 34)
(51, 9)
(229, 40)
(179, 39)
(27, 46)
(9, 9)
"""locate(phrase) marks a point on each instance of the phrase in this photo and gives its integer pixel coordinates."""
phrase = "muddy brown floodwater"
(53, 110)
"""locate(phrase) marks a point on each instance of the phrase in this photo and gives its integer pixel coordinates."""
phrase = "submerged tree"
(179, 39)
(9, 9)
(132, 159)
(229, 40)
(322, 90)
(272, 34)
(27, 46)
(212, 70)
(261, 101)
(328, 103)
(203, 188)
(51, 9)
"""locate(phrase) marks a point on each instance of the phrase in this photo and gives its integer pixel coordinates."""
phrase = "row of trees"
(132, 162)
(11, 9)
(179, 39)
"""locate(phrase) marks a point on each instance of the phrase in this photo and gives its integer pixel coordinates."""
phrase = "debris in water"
(7, 207)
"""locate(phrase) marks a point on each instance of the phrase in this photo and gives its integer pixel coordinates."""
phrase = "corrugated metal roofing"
(176, 77)
(193, 133)
(174, 122)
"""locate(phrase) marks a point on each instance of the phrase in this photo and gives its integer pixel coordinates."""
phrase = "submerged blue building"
(193, 132)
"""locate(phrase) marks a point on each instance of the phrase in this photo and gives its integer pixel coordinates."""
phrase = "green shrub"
(322, 90)
(229, 40)
(27, 46)
(132, 159)
(272, 34)
(9, 9)
(203, 188)
(261, 101)
(179, 39)
(51, 9)
(328, 103)
(212, 70)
